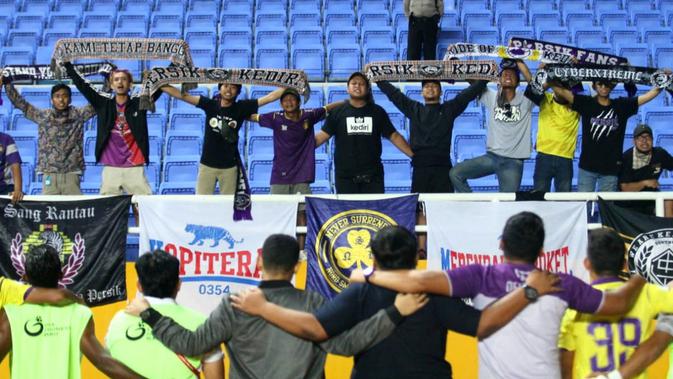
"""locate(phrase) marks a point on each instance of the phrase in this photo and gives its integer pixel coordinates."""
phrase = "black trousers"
(374, 184)
(422, 33)
(433, 179)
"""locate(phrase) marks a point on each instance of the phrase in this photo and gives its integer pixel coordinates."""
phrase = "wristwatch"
(530, 293)
(368, 272)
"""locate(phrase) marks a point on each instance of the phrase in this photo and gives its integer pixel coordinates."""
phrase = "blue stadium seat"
(623, 36)
(664, 138)
(390, 151)
(26, 142)
(642, 5)
(271, 20)
(202, 39)
(468, 143)
(510, 17)
(183, 142)
(585, 35)
(471, 118)
(29, 21)
(339, 20)
(548, 18)
(103, 5)
(92, 173)
(578, 20)
(27, 173)
(305, 5)
(342, 62)
(305, 18)
(160, 32)
(9, 7)
(237, 7)
(377, 36)
(173, 6)
(305, 36)
(602, 47)
(180, 168)
(211, 6)
(271, 5)
(97, 22)
(16, 56)
(317, 98)
(203, 57)
(311, 59)
(236, 37)
(90, 146)
(646, 19)
(64, 20)
(483, 35)
(39, 97)
(235, 20)
(659, 118)
(613, 19)
(448, 20)
(340, 5)
(178, 105)
(572, 5)
(397, 178)
(506, 5)
(271, 38)
(259, 171)
(342, 37)
(516, 31)
(20, 122)
(373, 18)
(156, 123)
(145, 6)
(187, 119)
(168, 21)
(336, 93)
(477, 18)
(637, 54)
(177, 188)
(153, 177)
(374, 54)
(22, 37)
(271, 58)
(658, 36)
(662, 56)
(230, 58)
(50, 37)
(260, 145)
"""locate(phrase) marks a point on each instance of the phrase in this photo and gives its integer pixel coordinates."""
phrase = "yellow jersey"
(557, 128)
(603, 343)
(11, 291)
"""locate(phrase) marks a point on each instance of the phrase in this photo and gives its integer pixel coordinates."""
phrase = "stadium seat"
(397, 175)
(271, 57)
(477, 19)
(201, 39)
(203, 57)
(259, 171)
(230, 58)
(156, 123)
(623, 36)
(103, 5)
(260, 145)
(90, 146)
(377, 36)
(9, 7)
(342, 37)
(544, 19)
(311, 59)
(64, 21)
(337, 20)
(179, 105)
(305, 18)
(172, 6)
(153, 177)
(572, 5)
(180, 168)
(28, 21)
(638, 54)
(22, 37)
(27, 174)
(646, 19)
(187, 119)
(379, 54)
(342, 5)
(236, 37)
(613, 19)
(584, 36)
(270, 38)
(659, 119)
(658, 36)
(374, 18)
(228, 21)
(343, 62)
(177, 188)
(662, 56)
(579, 20)
(16, 56)
(468, 143)
(510, 17)
(183, 142)
(50, 37)
(26, 142)
(471, 118)
(483, 35)
(39, 97)
(97, 22)
(271, 20)
(92, 173)
(516, 31)
(237, 6)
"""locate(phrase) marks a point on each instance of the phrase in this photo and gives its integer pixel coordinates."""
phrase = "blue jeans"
(508, 171)
(548, 167)
(587, 182)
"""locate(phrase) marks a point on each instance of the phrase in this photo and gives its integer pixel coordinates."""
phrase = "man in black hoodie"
(431, 126)
(122, 145)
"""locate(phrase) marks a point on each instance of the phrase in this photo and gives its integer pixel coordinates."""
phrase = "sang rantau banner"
(217, 255)
(464, 233)
(89, 235)
(648, 239)
(340, 232)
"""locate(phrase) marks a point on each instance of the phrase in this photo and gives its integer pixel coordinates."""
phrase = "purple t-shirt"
(121, 149)
(527, 346)
(293, 145)
(9, 154)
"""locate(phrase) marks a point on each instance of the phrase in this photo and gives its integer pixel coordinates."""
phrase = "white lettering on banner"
(474, 238)
(217, 255)
(359, 125)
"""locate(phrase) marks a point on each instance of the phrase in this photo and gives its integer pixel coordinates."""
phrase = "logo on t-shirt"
(508, 113)
(359, 125)
(604, 124)
(651, 256)
(217, 122)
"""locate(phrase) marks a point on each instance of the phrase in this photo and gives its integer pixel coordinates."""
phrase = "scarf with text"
(158, 77)
(461, 50)
(242, 199)
(36, 73)
(609, 73)
(581, 55)
(432, 70)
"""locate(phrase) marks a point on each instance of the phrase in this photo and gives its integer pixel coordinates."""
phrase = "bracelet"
(368, 273)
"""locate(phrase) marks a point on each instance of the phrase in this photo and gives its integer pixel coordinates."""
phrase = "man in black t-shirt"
(224, 118)
(357, 128)
(603, 128)
(641, 168)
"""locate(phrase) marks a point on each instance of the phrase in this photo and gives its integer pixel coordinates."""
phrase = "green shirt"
(46, 340)
(131, 342)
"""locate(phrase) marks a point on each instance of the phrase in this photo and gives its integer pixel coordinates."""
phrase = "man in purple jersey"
(293, 143)
(527, 346)
(10, 162)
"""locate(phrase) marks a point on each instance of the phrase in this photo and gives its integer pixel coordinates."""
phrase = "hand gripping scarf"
(35, 73)
(460, 50)
(158, 77)
(432, 70)
(609, 73)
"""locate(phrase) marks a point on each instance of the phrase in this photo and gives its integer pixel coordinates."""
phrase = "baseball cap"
(291, 91)
(640, 129)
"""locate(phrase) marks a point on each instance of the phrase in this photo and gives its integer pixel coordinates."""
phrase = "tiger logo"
(214, 233)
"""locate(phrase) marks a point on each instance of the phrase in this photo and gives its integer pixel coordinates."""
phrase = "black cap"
(291, 91)
(640, 129)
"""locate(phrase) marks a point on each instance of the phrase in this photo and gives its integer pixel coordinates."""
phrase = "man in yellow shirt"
(591, 343)
(556, 140)
(13, 292)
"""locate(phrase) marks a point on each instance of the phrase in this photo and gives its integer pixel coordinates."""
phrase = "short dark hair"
(43, 266)
(424, 82)
(59, 86)
(523, 236)
(280, 253)
(394, 247)
(240, 87)
(606, 252)
(158, 273)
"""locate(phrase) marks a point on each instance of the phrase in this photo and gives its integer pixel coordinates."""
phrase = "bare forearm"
(113, 368)
(412, 281)
(563, 93)
(567, 358)
(331, 106)
(501, 312)
(649, 95)
(645, 354)
(272, 96)
(620, 301)
(16, 176)
(401, 144)
(301, 324)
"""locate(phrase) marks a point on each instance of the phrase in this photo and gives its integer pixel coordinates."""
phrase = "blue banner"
(339, 236)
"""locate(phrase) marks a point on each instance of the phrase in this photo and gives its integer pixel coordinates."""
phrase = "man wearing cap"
(293, 143)
(642, 166)
(224, 117)
(357, 127)
(431, 126)
(603, 128)
(508, 142)
(556, 139)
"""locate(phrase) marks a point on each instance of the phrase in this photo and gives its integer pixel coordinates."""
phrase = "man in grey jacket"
(424, 16)
(258, 349)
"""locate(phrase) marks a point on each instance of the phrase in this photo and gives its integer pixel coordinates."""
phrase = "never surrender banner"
(339, 235)
(89, 235)
(649, 241)
(463, 233)
(217, 255)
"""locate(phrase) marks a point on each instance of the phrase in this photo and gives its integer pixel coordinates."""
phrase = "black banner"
(90, 236)
(649, 241)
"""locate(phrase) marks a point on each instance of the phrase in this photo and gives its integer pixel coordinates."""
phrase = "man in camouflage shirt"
(60, 138)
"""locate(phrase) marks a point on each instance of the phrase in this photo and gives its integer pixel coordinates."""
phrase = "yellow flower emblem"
(359, 252)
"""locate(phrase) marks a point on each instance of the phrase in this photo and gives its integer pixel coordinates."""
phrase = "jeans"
(587, 182)
(548, 167)
(508, 171)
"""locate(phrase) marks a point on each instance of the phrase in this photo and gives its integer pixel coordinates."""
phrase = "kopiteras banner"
(89, 235)
(340, 232)
(649, 241)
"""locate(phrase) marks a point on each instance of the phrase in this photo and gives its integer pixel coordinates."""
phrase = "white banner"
(217, 255)
(463, 233)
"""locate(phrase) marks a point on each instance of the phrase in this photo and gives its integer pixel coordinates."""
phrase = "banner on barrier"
(649, 241)
(89, 236)
(339, 234)
(464, 233)
(217, 255)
